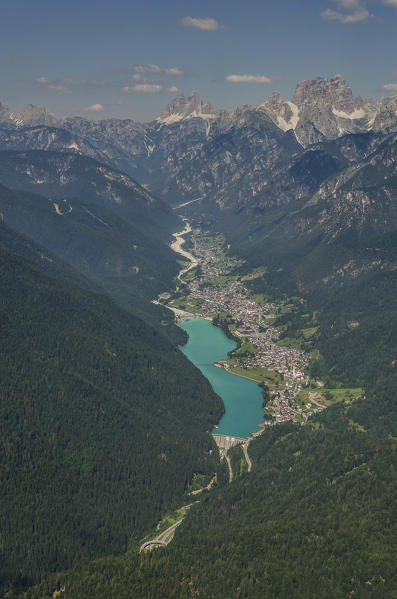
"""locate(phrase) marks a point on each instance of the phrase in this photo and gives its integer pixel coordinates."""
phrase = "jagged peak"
(273, 101)
(321, 90)
(29, 115)
(182, 108)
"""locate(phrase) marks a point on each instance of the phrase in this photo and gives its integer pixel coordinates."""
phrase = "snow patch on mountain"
(359, 113)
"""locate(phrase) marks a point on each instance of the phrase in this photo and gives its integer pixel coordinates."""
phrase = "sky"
(129, 59)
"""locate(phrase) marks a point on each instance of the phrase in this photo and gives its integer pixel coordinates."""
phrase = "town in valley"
(210, 287)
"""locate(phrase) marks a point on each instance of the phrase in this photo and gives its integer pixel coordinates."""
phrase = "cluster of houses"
(253, 323)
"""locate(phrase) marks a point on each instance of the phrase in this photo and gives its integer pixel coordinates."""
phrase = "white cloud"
(147, 68)
(62, 84)
(391, 2)
(353, 11)
(95, 108)
(173, 89)
(248, 79)
(208, 24)
(146, 88)
(174, 71)
(391, 87)
(141, 69)
(58, 88)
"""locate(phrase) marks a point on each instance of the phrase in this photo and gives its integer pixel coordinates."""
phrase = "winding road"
(167, 535)
(230, 467)
(245, 450)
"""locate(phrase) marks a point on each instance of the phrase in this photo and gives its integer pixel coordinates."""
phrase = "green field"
(273, 379)
(199, 481)
(290, 342)
(246, 349)
(255, 274)
(221, 280)
(189, 275)
(189, 305)
(329, 397)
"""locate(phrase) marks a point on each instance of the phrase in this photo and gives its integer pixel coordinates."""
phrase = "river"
(242, 398)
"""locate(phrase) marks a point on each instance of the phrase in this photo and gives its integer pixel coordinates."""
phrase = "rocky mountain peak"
(4, 113)
(322, 91)
(183, 108)
(30, 116)
(274, 101)
(36, 115)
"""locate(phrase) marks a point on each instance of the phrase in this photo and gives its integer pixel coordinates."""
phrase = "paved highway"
(166, 536)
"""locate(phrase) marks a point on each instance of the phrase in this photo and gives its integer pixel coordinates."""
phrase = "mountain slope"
(314, 518)
(110, 229)
(67, 176)
(102, 421)
(324, 238)
(192, 150)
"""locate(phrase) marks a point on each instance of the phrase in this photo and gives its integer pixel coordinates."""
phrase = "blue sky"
(127, 59)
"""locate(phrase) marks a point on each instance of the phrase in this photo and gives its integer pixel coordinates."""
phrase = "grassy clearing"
(221, 280)
(309, 332)
(255, 274)
(165, 523)
(189, 275)
(199, 481)
(290, 342)
(260, 298)
(246, 349)
(356, 426)
(273, 379)
(189, 305)
(328, 397)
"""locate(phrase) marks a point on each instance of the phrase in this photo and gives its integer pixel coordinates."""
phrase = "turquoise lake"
(242, 398)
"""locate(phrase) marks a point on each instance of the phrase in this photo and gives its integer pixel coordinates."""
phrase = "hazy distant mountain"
(28, 116)
(326, 109)
(192, 151)
(186, 108)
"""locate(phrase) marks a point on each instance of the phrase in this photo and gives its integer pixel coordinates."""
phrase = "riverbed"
(242, 398)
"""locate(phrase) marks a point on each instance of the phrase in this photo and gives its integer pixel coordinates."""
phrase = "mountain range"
(222, 142)
(306, 183)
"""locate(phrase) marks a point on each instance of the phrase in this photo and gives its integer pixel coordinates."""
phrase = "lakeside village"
(211, 292)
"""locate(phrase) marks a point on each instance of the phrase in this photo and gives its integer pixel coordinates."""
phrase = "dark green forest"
(315, 518)
(103, 421)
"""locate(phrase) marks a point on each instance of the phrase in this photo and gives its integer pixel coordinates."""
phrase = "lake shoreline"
(242, 396)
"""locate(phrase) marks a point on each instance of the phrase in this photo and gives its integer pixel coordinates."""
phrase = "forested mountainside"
(103, 422)
(314, 518)
(67, 176)
(96, 219)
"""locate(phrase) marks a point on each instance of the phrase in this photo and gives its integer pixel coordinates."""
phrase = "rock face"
(28, 116)
(5, 118)
(321, 109)
(227, 157)
(322, 91)
(42, 137)
(190, 107)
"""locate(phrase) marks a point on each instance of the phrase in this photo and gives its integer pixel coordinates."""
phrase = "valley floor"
(216, 293)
